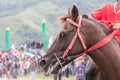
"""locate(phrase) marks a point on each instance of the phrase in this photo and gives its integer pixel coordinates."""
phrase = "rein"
(94, 47)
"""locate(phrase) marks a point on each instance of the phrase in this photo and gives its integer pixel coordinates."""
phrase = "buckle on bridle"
(61, 60)
(86, 51)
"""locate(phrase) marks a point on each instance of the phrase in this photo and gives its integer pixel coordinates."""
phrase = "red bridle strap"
(94, 47)
(75, 37)
(100, 43)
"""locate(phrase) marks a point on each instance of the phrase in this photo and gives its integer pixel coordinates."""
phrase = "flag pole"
(114, 1)
(7, 38)
(44, 37)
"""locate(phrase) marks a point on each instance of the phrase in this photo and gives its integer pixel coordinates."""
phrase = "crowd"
(18, 62)
(23, 61)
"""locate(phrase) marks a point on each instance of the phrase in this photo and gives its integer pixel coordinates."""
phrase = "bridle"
(77, 34)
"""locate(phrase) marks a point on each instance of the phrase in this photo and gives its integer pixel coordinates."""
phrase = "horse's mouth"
(53, 69)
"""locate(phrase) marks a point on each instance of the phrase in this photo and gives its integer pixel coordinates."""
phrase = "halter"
(94, 47)
(78, 25)
(77, 34)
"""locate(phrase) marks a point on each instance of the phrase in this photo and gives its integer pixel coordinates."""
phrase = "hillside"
(24, 17)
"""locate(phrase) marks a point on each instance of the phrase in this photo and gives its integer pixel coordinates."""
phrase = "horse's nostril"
(42, 62)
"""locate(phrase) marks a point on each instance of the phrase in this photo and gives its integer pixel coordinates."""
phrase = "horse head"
(68, 43)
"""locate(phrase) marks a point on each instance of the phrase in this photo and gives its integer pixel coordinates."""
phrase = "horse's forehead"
(67, 26)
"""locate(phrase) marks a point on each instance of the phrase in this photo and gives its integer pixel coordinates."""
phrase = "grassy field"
(40, 76)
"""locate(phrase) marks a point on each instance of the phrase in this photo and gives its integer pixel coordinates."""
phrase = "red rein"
(94, 47)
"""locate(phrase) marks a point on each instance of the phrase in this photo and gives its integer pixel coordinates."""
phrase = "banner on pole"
(44, 37)
(115, 0)
(7, 38)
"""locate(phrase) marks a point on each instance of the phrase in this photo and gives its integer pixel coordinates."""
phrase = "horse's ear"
(74, 13)
(85, 16)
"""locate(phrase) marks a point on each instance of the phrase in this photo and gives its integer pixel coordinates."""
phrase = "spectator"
(73, 67)
(1, 69)
(14, 71)
(80, 69)
(33, 69)
(60, 74)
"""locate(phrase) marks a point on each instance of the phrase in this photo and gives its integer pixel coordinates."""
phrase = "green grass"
(41, 76)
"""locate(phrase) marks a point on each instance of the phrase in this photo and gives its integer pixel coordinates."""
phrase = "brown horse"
(106, 57)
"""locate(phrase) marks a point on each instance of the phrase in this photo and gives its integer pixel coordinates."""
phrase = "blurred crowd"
(20, 62)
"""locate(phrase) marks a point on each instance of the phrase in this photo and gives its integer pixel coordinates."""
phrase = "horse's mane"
(106, 31)
(62, 19)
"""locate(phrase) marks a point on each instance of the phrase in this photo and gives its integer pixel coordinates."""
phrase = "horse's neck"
(107, 59)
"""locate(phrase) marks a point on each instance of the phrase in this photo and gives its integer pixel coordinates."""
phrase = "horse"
(80, 35)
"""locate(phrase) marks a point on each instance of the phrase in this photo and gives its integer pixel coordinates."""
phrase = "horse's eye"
(62, 34)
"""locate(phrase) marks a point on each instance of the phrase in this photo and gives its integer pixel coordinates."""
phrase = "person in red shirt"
(109, 15)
